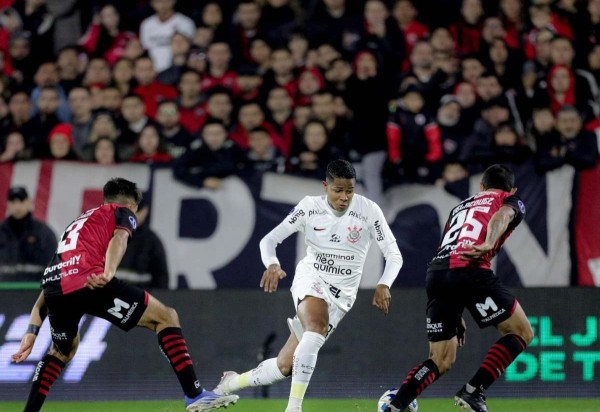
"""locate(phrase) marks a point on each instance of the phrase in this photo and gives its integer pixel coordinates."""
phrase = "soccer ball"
(387, 397)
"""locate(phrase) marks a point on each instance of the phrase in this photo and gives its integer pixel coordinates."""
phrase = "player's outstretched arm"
(114, 253)
(38, 314)
(270, 278)
(495, 229)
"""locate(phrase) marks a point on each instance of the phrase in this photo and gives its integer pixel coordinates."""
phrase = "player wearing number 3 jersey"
(459, 277)
(80, 280)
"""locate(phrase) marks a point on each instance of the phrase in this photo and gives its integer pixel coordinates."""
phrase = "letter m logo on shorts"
(483, 307)
(116, 310)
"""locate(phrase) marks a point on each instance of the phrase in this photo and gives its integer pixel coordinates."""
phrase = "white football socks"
(305, 360)
(266, 373)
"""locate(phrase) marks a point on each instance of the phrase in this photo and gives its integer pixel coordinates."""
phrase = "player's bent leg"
(267, 372)
(516, 335)
(48, 370)
(314, 315)
(165, 322)
(442, 355)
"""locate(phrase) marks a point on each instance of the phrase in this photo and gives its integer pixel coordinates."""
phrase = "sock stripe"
(490, 370)
(521, 341)
(497, 361)
(500, 355)
(52, 372)
(49, 377)
(174, 343)
(182, 365)
(176, 350)
(177, 358)
(505, 351)
(55, 367)
(43, 391)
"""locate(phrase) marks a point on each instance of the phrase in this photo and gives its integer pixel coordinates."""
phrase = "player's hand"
(25, 348)
(98, 281)
(271, 278)
(382, 298)
(461, 333)
(475, 253)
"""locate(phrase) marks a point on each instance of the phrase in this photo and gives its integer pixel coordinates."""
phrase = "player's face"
(339, 193)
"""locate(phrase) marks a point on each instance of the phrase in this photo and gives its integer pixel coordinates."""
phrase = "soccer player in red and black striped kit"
(460, 276)
(80, 280)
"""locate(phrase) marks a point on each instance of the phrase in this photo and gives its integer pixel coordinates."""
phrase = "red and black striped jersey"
(467, 226)
(82, 248)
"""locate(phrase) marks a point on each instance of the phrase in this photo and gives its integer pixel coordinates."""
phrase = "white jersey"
(155, 36)
(337, 246)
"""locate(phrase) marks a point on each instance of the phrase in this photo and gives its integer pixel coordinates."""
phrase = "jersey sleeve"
(125, 219)
(295, 221)
(381, 232)
(518, 206)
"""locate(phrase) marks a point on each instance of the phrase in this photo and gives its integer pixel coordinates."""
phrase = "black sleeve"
(125, 219)
(518, 206)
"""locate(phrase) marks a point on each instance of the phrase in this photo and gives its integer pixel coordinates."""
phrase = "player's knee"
(444, 362)
(527, 333)
(318, 326)
(170, 316)
(64, 353)
(285, 366)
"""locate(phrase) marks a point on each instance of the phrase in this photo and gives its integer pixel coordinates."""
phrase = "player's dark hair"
(341, 169)
(498, 177)
(121, 191)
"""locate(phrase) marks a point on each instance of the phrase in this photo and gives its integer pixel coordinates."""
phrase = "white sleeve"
(381, 232)
(186, 26)
(295, 221)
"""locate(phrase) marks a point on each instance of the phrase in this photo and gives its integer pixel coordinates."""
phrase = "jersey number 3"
(473, 228)
(69, 238)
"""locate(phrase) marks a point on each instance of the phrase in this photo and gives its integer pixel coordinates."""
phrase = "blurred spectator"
(508, 147)
(323, 107)
(38, 22)
(405, 13)
(68, 68)
(176, 140)
(23, 62)
(467, 31)
(157, 30)
(219, 106)
(251, 116)
(262, 155)
(315, 153)
(219, 72)
(148, 88)
(367, 134)
(512, 13)
(278, 19)
(145, 261)
(248, 84)
(542, 124)
(38, 127)
(260, 54)
(97, 74)
(134, 118)
(81, 110)
(122, 75)
(150, 147)
(338, 74)
(414, 141)
(310, 81)
(298, 46)
(210, 159)
(180, 48)
(504, 64)
(104, 37)
(280, 109)
(471, 68)
(336, 22)
(213, 19)
(281, 73)
(13, 148)
(103, 125)
(191, 109)
(60, 143)
(111, 99)
(570, 144)
(246, 28)
(300, 117)
(19, 107)
(105, 152)
(452, 130)
(454, 179)
(26, 244)
(46, 77)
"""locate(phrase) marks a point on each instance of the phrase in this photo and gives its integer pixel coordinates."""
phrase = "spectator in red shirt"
(148, 88)
(405, 13)
(310, 81)
(219, 72)
(150, 148)
(192, 112)
(104, 38)
(251, 116)
(280, 105)
(467, 31)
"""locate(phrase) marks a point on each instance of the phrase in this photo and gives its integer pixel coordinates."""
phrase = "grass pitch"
(317, 405)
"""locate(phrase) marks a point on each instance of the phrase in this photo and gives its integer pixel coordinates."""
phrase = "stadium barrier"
(368, 353)
(209, 235)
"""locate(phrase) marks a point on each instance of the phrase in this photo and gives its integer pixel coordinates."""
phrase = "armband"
(35, 329)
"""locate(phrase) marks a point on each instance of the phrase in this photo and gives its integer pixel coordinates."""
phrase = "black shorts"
(118, 302)
(449, 292)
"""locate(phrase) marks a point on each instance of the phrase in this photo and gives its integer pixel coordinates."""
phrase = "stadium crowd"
(409, 91)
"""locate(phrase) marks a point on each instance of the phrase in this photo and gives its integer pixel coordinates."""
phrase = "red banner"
(587, 235)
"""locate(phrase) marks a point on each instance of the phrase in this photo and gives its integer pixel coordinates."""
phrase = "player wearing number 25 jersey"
(459, 277)
(80, 280)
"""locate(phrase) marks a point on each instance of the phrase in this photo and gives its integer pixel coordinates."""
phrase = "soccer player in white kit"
(339, 228)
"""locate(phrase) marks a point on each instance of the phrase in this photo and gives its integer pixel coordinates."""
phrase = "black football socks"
(46, 372)
(173, 345)
(417, 380)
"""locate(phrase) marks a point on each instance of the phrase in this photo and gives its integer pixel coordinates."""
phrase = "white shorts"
(312, 285)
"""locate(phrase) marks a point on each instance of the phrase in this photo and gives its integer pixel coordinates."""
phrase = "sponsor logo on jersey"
(295, 216)
(74, 260)
(379, 231)
(358, 216)
(317, 288)
(316, 212)
(335, 238)
(484, 201)
(354, 235)
(326, 263)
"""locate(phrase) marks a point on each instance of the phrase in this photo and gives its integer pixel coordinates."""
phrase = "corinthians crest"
(354, 235)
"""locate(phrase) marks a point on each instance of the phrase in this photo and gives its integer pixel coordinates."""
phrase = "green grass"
(314, 405)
